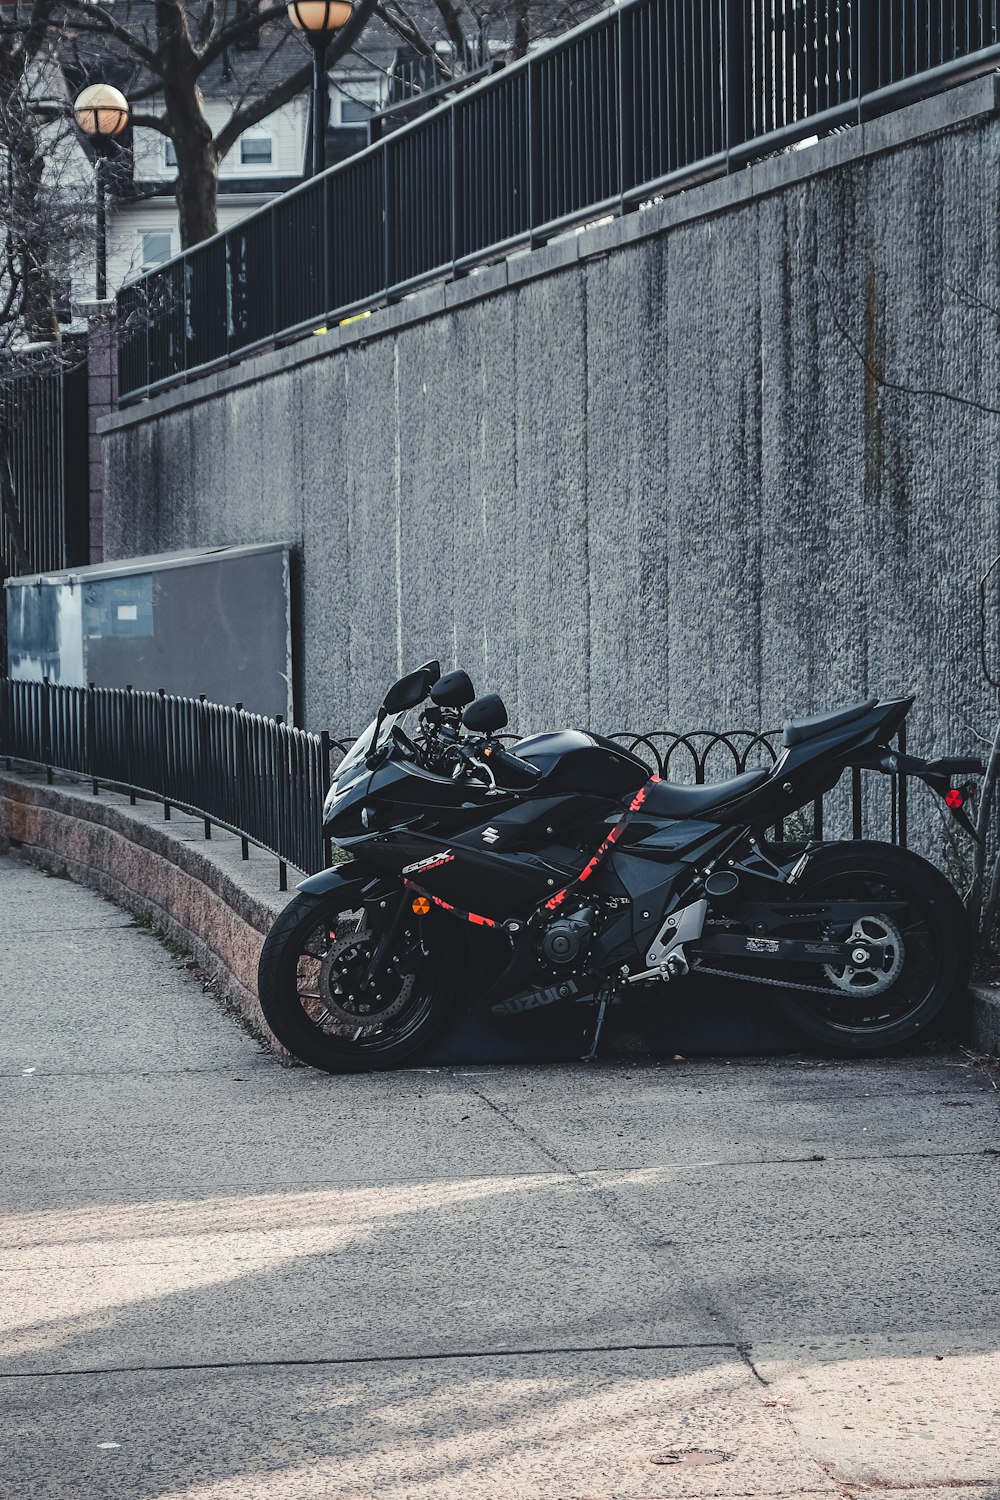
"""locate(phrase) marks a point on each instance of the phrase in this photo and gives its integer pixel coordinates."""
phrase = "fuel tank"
(574, 762)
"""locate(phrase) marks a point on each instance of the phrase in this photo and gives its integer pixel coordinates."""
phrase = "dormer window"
(256, 150)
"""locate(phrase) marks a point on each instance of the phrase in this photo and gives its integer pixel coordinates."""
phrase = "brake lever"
(467, 760)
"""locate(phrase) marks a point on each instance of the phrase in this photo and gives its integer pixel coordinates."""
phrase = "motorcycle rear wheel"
(312, 993)
(927, 977)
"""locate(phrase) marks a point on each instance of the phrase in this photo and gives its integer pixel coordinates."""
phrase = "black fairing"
(571, 761)
(505, 852)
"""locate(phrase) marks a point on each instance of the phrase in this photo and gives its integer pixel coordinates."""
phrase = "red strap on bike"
(559, 897)
(612, 839)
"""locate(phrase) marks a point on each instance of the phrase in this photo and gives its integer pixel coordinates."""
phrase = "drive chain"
(781, 984)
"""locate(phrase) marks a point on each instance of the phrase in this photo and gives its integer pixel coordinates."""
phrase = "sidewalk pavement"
(225, 1280)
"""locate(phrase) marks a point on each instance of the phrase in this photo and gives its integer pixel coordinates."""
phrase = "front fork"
(393, 923)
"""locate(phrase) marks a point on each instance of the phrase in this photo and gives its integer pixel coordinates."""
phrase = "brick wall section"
(102, 370)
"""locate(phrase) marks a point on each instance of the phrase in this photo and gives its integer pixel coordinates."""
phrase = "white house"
(266, 160)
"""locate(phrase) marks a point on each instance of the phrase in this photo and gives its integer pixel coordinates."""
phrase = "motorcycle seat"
(813, 725)
(667, 800)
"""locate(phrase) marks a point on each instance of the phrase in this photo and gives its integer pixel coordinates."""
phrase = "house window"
(256, 150)
(169, 154)
(157, 246)
(356, 111)
(358, 106)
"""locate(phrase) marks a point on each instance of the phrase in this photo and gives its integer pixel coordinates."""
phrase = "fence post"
(162, 692)
(130, 742)
(241, 766)
(386, 221)
(92, 735)
(866, 55)
(47, 729)
(626, 108)
(202, 757)
(324, 750)
(736, 73)
(534, 154)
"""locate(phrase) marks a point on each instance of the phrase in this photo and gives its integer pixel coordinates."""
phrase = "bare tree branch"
(936, 393)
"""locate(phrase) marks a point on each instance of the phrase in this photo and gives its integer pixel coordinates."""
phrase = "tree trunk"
(197, 161)
(197, 184)
(197, 158)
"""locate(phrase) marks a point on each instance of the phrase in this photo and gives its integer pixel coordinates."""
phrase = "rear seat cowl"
(813, 725)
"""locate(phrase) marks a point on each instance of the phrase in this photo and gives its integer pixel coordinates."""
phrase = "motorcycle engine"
(565, 939)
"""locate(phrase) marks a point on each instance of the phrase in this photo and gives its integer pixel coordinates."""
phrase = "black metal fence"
(649, 97)
(259, 778)
(44, 475)
(266, 781)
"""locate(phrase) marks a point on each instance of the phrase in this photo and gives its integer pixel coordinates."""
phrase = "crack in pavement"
(436, 1356)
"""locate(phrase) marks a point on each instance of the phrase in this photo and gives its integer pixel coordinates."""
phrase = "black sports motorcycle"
(558, 871)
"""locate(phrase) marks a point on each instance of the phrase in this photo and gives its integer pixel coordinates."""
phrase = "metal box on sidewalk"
(211, 620)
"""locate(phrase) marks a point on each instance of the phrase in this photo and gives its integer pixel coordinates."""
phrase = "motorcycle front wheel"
(924, 940)
(316, 997)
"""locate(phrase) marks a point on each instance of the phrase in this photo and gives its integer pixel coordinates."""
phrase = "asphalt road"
(225, 1280)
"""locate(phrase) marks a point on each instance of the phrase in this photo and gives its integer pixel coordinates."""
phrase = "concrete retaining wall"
(649, 475)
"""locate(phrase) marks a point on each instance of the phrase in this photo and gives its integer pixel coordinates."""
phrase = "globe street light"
(318, 20)
(101, 113)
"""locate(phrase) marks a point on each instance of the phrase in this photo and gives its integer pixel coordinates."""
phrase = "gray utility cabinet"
(212, 620)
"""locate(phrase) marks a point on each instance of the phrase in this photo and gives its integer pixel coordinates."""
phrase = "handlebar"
(523, 769)
(445, 751)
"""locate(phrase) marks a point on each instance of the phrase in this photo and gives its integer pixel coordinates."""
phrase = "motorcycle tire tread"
(955, 936)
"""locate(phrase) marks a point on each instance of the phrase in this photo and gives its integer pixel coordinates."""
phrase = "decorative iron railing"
(266, 781)
(44, 477)
(649, 97)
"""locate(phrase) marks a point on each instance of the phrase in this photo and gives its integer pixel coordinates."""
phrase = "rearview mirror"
(486, 715)
(454, 690)
(412, 689)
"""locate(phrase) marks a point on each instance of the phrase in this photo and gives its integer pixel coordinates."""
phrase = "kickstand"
(598, 1028)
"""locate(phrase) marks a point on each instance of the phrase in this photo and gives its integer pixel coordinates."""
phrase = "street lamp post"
(101, 113)
(318, 20)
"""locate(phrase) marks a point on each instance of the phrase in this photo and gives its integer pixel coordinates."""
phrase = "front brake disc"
(343, 988)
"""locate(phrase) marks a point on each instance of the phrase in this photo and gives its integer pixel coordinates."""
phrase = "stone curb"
(198, 893)
(985, 1019)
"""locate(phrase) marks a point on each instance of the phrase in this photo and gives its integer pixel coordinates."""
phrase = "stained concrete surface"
(732, 460)
(225, 1280)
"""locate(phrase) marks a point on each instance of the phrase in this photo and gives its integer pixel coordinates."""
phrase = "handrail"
(648, 97)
